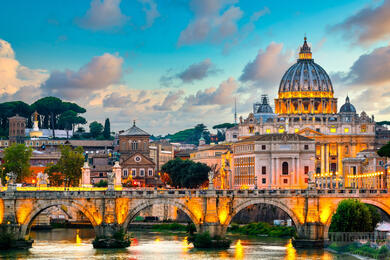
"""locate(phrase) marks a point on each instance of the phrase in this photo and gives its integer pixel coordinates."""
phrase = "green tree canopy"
(186, 173)
(384, 151)
(354, 216)
(70, 164)
(107, 130)
(95, 129)
(17, 160)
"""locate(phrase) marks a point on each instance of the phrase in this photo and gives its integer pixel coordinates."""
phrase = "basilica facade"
(306, 106)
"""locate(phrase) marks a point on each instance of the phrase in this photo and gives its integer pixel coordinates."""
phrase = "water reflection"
(239, 250)
(76, 244)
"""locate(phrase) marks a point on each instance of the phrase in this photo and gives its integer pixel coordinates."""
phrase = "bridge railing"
(206, 192)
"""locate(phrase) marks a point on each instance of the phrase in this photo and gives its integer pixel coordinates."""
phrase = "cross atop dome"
(305, 53)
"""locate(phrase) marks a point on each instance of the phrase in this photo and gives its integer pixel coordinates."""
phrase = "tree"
(375, 216)
(354, 216)
(17, 160)
(185, 173)
(70, 164)
(95, 129)
(56, 178)
(107, 131)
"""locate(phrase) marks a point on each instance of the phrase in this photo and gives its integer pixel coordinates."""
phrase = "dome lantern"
(305, 53)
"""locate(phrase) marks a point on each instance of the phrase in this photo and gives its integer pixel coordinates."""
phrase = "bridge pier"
(310, 235)
(214, 229)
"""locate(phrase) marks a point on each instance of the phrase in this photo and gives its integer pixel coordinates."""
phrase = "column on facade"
(322, 158)
(340, 159)
(294, 172)
(277, 172)
(271, 170)
(297, 173)
(327, 158)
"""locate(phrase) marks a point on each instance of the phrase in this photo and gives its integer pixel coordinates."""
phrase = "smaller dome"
(264, 106)
(347, 107)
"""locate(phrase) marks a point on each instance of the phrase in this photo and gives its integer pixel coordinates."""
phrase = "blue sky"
(173, 64)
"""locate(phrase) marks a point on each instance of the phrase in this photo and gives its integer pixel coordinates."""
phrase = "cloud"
(268, 66)
(103, 15)
(15, 77)
(367, 26)
(214, 20)
(171, 100)
(194, 72)
(98, 74)
(151, 12)
(369, 69)
(223, 95)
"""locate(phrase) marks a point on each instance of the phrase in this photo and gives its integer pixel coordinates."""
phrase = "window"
(263, 180)
(101, 174)
(306, 170)
(142, 172)
(134, 145)
(150, 172)
(363, 128)
(133, 172)
(333, 130)
(268, 130)
(346, 130)
(234, 136)
(318, 130)
(263, 170)
(281, 130)
(263, 147)
(296, 130)
(306, 180)
(285, 168)
(306, 147)
(125, 173)
(285, 181)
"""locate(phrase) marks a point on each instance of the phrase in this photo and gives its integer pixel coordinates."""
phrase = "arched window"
(134, 145)
(285, 168)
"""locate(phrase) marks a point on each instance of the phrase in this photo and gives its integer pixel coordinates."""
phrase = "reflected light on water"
(134, 242)
(78, 239)
(157, 240)
(291, 252)
(185, 245)
(239, 250)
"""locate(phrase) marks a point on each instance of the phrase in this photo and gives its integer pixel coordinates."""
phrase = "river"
(76, 244)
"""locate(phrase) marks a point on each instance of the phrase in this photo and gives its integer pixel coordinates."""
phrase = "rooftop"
(134, 131)
(276, 137)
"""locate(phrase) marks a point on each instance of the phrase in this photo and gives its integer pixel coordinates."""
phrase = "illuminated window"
(268, 130)
(346, 130)
(363, 128)
(333, 130)
(296, 130)
(281, 130)
(251, 129)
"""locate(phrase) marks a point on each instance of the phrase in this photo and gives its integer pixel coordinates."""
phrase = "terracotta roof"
(89, 143)
(276, 137)
(215, 147)
(101, 168)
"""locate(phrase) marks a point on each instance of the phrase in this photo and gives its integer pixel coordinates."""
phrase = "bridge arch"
(26, 226)
(375, 203)
(143, 205)
(250, 202)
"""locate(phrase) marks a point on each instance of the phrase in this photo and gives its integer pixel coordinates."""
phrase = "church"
(306, 106)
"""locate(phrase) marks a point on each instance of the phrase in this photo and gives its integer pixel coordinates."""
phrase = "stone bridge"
(210, 210)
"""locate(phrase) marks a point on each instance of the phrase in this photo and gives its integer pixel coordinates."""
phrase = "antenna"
(235, 110)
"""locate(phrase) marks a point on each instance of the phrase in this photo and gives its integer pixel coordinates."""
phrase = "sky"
(171, 64)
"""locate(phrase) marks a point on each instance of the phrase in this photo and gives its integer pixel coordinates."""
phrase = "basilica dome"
(305, 88)
(305, 75)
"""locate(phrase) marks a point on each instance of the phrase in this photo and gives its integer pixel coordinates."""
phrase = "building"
(273, 161)
(306, 106)
(17, 126)
(161, 152)
(210, 155)
(135, 157)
